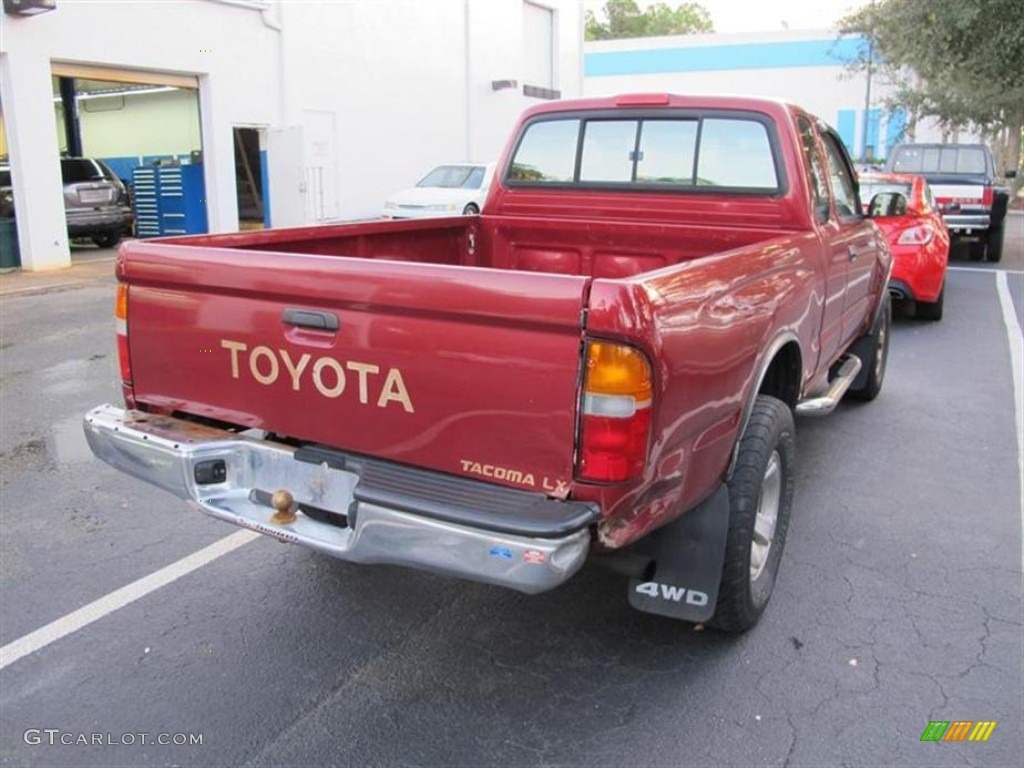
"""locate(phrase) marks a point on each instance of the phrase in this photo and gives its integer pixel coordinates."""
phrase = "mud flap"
(688, 557)
(864, 346)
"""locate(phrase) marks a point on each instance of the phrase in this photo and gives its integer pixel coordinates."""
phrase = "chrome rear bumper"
(967, 222)
(353, 508)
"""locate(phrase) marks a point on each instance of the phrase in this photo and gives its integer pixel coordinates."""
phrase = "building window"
(538, 51)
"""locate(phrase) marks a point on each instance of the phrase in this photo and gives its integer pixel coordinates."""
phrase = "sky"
(764, 15)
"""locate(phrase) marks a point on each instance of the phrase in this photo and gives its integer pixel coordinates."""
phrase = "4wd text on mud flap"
(672, 592)
(327, 374)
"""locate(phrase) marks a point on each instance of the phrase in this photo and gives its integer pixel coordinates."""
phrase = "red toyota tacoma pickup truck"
(605, 363)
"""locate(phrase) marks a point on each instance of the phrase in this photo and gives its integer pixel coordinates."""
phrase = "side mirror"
(887, 204)
(1011, 174)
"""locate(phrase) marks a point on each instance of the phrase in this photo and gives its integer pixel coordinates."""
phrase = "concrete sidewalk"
(84, 270)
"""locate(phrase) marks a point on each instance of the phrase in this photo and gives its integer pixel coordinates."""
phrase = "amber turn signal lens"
(121, 305)
(615, 369)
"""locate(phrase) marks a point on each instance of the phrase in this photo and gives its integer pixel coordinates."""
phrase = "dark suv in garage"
(95, 201)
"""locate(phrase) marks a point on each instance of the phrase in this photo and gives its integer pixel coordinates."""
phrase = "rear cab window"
(721, 151)
(965, 160)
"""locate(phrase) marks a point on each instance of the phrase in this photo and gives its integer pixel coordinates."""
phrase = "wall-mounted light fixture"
(28, 7)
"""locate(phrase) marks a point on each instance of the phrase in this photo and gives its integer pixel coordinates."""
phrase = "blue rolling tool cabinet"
(169, 200)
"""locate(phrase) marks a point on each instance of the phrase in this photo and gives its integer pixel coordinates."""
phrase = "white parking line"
(107, 604)
(1016, 337)
(986, 271)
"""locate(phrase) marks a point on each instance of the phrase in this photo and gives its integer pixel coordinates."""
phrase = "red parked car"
(905, 210)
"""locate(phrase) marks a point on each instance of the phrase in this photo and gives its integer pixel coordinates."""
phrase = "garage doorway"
(10, 259)
(251, 177)
(141, 129)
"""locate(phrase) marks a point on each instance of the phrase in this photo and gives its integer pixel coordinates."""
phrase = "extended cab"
(603, 364)
(964, 181)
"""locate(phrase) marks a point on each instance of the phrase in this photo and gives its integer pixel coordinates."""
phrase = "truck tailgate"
(468, 371)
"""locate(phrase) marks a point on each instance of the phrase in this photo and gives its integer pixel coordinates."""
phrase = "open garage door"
(139, 133)
(9, 256)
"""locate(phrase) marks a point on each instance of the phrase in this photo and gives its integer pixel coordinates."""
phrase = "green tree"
(623, 18)
(961, 63)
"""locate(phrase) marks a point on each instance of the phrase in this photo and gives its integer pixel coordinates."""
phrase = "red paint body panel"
(485, 317)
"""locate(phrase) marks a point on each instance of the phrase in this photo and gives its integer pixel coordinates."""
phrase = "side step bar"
(824, 405)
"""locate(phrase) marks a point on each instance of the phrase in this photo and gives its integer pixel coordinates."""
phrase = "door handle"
(311, 318)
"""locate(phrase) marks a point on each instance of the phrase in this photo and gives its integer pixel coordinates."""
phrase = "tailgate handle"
(310, 318)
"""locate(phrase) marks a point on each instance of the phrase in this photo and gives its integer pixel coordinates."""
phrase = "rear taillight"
(987, 197)
(121, 316)
(919, 235)
(615, 421)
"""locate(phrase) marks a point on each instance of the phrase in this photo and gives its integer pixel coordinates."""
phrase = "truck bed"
(555, 245)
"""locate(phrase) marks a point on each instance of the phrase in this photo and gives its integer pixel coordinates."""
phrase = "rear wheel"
(760, 499)
(931, 310)
(470, 210)
(873, 351)
(107, 239)
(994, 252)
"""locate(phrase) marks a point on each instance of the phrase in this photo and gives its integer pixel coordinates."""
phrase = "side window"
(819, 189)
(929, 198)
(842, 182)
(474, 180)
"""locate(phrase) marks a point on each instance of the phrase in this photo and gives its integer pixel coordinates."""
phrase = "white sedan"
(455, 189)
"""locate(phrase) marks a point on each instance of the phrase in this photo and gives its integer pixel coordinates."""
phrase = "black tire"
(764, 472)
(976, 251)
(994, 250)
(470, 210)
(873, 351)
(931, 310)
(107, 239)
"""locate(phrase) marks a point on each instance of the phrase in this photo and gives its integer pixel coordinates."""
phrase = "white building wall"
(409, 88)
(383, 90)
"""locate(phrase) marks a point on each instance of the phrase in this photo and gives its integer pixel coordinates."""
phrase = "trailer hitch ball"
(283, 502)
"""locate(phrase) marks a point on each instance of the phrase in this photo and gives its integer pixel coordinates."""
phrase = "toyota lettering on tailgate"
(328, 375)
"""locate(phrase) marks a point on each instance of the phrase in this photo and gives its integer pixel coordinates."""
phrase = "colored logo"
(958, 730)
(501, 552)
(533, 557)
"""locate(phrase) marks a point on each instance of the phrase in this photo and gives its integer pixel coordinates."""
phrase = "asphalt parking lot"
(899, 600)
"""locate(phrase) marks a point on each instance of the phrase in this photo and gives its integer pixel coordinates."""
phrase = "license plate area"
(94, 196)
